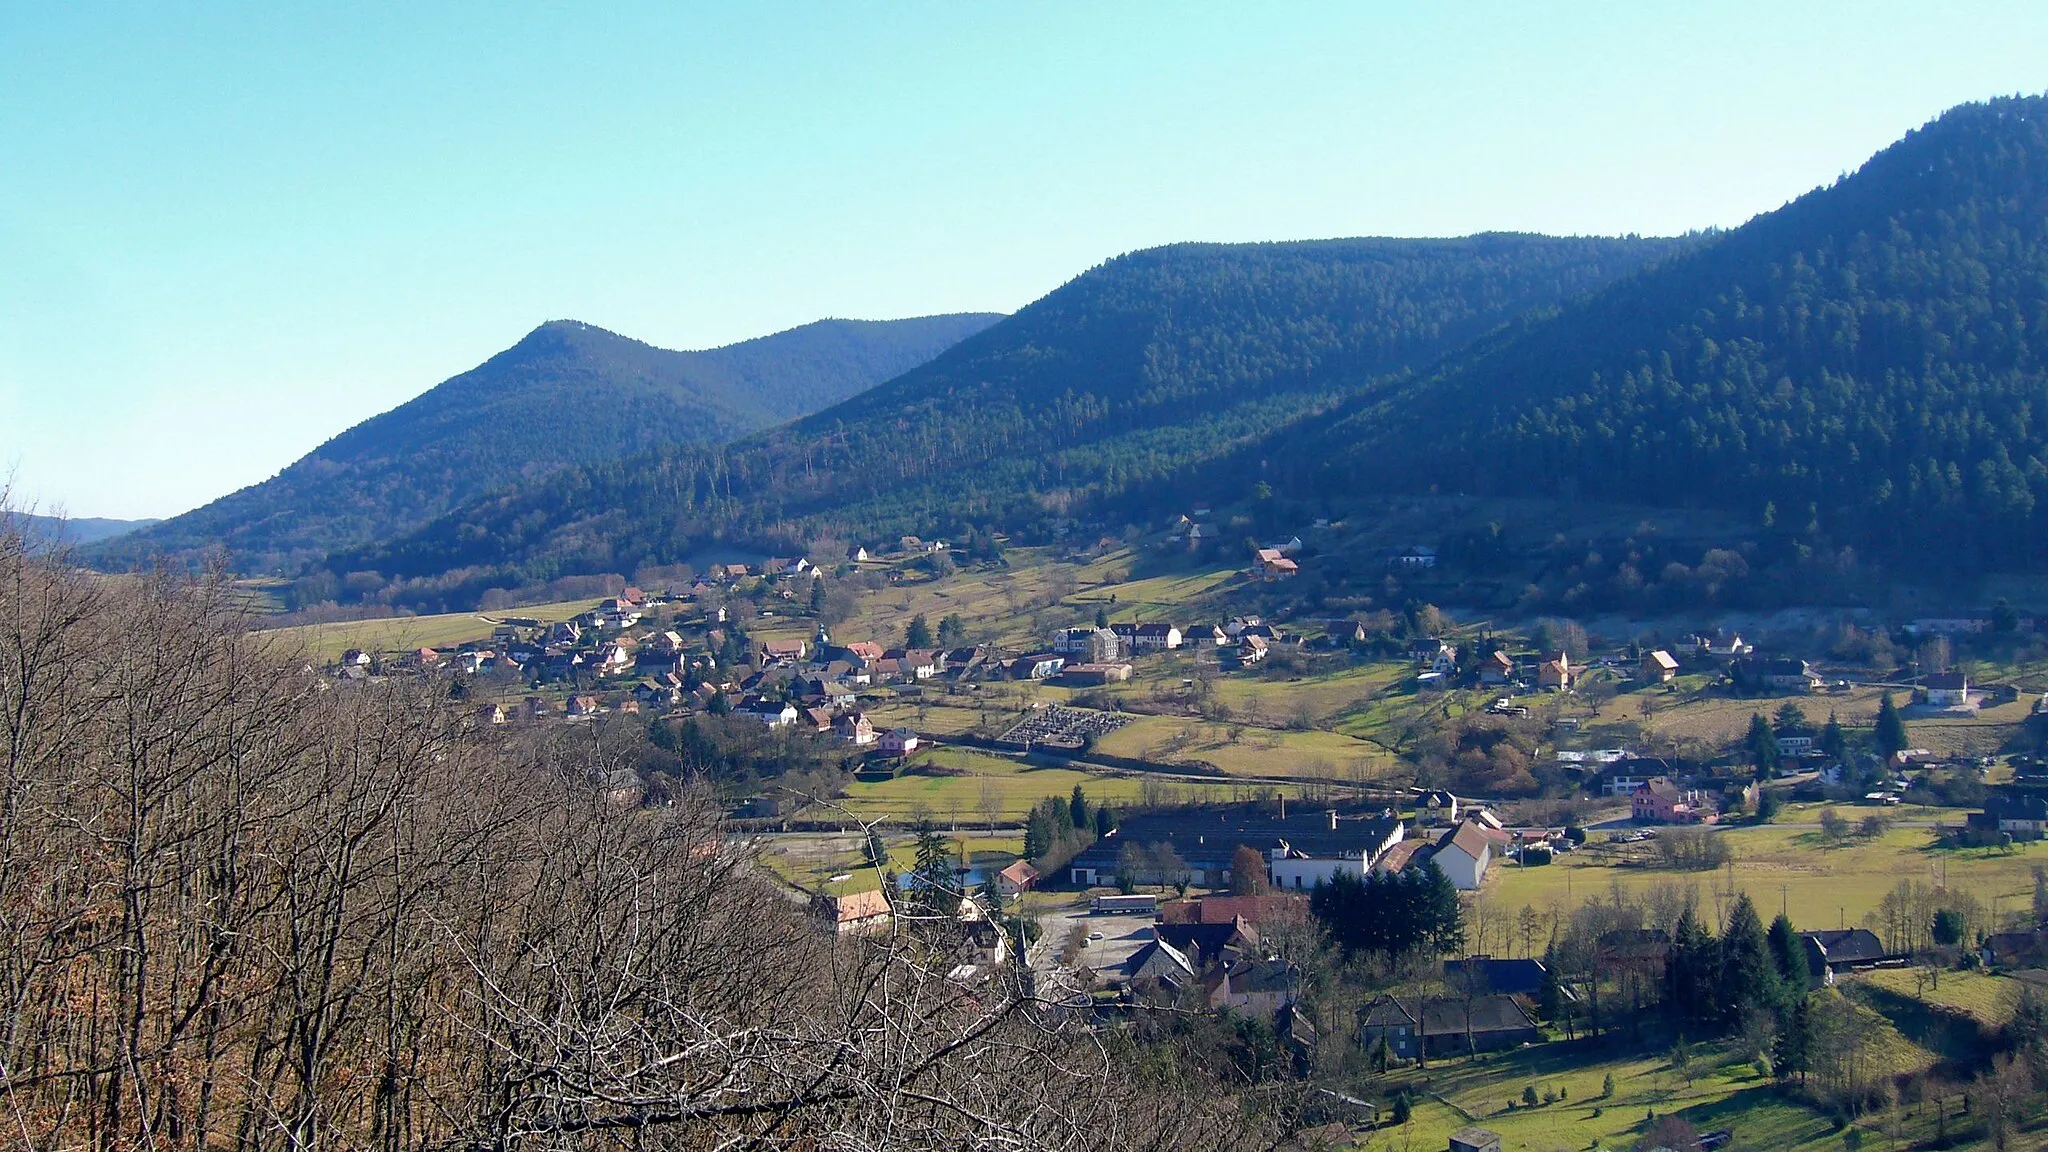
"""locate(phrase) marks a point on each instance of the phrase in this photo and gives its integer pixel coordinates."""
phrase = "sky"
(228, 232)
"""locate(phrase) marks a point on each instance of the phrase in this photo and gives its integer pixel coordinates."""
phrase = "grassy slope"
(404, 633)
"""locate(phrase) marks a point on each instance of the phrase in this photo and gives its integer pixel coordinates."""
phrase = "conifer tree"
(1749, 974)
(1891, 730)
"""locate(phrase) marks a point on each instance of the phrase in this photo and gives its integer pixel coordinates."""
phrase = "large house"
(853, 912)
(1464, 853)
(1445, 1025)
(773, 713)
(1289, 867)
(1037, 667)
(1776, 674)
(855, 728)
(1659, 801)
(1946, 689)
(1205, 840)
(1272, 564)
(1089, 645)
(2022, 814)
(1844, 950)
(1155, 637)
(1556, 671)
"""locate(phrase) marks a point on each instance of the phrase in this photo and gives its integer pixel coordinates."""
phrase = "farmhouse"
(1556, 671)
(854, 912)
(1271, 564)
(1464, 853)
(1497, 669)
(855, 728)
(1443, 1025)
(1658, 667)
(1946, 689)
(1777, 674)
(897, 742)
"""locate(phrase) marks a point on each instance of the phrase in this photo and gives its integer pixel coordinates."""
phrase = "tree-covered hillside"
(1866, 367)
(1149, 364)
(568, 393)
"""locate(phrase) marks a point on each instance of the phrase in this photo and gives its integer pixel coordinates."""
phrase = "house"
(1659, 801)
(858, 554)
(1437, 802)
(1160, 965)
(1212, 635)
(1156, 637)
(1841, 950)
(773, 713)
(1037, 667)
(1251, 650)
(1556, 671)
(2027, 949)
(855, 728)
(492, 714)
(1775, 674)
(1721, 643)
(1088, 645)
(1425, 650)
(1525, 977)
(1946, 689)
(1658, 667)
(1418, 556)
(897, 742)
(1017, 878)
(1254, 985)
(1444, 1025)
(582, 708)
(911, 664)
(816, 719)
(1464, 853)
(2023, 814)
(782, 651)
(1794, 745)
(355, 658)
(1270, 564)
(1279, 908)
(1498, 668)
(1206, 839)
(910, 544)
(1300, 869)
(1208, 946)
(1474, 1140)
(853, 912)
(1096, 674)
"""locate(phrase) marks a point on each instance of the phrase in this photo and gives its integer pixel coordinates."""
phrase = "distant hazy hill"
(83, 530)
(1148, 364)
(1867, 366)
(566, 394)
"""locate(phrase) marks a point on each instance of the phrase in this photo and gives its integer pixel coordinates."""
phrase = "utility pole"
(1784, 900)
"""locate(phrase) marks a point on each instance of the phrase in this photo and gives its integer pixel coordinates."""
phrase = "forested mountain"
(1867, 366)
(1146, 365)
(568, 393)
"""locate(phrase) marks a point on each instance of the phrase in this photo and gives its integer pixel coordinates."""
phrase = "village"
(1181, 884)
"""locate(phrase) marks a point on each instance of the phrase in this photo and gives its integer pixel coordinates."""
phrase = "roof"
(1204, 943)
(1662, 659)
(1021, 873)
(1846, 945)
(1946, 681)
(1468, 838)
(1446, 1015)
(1524, 977)
(855, 906)
(1206, 838)
(1662, 789)
(1400, 855)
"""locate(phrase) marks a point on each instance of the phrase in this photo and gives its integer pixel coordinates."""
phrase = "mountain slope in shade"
(1867, 366)
(568, 393)
(1153, 362)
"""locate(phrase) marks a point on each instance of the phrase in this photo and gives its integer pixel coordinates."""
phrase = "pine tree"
(1749, 974)
(1690, 972)
(1078, 808)
(1037, 835)
(1101, 618)
(1550, 999)
(937, 876)
(918, 634)
(817, 597)
(1891, 730)
(1788, 955)
(1443, 916)
(1832, 740)
(1762, 745)
(1105, 820)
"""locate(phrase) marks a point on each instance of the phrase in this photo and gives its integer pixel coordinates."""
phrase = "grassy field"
(1242, 750)
(956, 798)
(1988, 997)
(838, 864)
(1819, 886)
(404, 633)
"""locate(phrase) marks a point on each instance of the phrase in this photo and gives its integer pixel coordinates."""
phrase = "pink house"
(1659, 801)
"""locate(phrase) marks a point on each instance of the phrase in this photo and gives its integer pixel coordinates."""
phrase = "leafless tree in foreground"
(242, 908)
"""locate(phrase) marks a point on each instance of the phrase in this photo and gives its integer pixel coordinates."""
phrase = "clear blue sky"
(229, 232)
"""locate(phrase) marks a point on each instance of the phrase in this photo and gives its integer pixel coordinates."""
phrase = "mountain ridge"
(566, 393)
